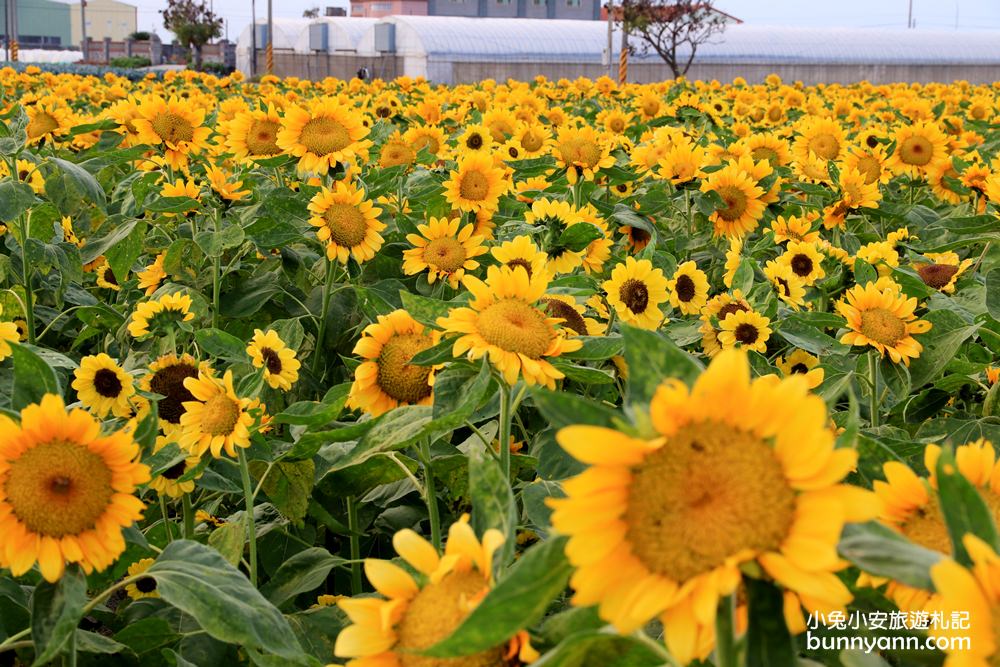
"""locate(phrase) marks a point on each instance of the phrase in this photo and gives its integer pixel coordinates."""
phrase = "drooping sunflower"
(883, 319)
(323, 134)
(662, 527)
(105, 277)
(217, 419)
(253, 133)
(419, 610)
(445, 249)
(688, 289)
(476, 185)
(347, 222)
(157, 314)
(268, 351)
(635, 290)
(918, 146)
(103, 386)
(557, 216)
(144, 587)
(65, 490)
(173, 124)
(582, 152)
(742, 204)
(747, 329)
(504, 322)
(801, 362)
(942, 271)
(521, 251)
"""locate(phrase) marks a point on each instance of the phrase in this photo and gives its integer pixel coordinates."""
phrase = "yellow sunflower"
(475, 138)
(742, 204)
(747, 329)
(166, 377)
(581, 151)
(253, 133)
(504, 322)
(426, 137)
(268, 351)
(789, 287)
(175, 124)
(805, 261)
(819, 138)
(144, 587)
(168, 483)
(635, 290)
(346, 222)
(65, 490)
(918, 147)
(476, 185)
(159, 313)
(47, 121)
(103, 386)
(217, 419)
(688, 289)
(942, 271)
(445, 249)
(323, 134)
(662, 527)
(801, 362)
(419, 610)
(151, 277)
(572, 314)
(521, 251)
(718, 309)
(105, 277)
(8, 334)
(883, 319)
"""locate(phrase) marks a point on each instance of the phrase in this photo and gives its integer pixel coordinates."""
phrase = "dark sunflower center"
(522, 263)
(746, 334)
(802, 265)
(107, 383)
(635, 295)
(146, 585)
(175, 471)
(571, 319)
(685, 288)
(169, 381)
(730, 308)
(109, 276)
(800, 368)
(937, 275)
(271, 361)
(475, 142)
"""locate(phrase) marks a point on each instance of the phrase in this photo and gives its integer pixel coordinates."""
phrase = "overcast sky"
(937, 14)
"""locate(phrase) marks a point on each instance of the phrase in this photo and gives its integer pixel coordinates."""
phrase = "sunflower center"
(445, 254)
(635, 295)
(175, 471)
(522, 263)
(531, 141)
(581, 152)
(783, 286)
(639, 236)
(710, 493)
(474, 186)
(220, 415)
(571, 319)
(475, 142)
(433, 614)
(937, 275)
(870, 167)
(735, 201)
(746, 333)
(730, 308)
(882, 326)
(173, 128)
(800, 368)
(169, 381)
(916, 151)
(262, 138)
(396, 154)
(146, 585)
(109, 276)
(322, 136)
(825, 145)
(58, 488)
(403, 381)
(107, 383)
(765, 153)
(685, 289)
(346, 223)
(616, 125)
(516, 326)
(272, 362)
(41, 125)
(802, 265)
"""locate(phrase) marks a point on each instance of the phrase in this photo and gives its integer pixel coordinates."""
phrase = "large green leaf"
(56, 609)
(15, 199)
(652, 358)
(965, 512)
(493, 503)
(941, 343)
(33, 378)
(880, 551)
(769, 643)
(303, 572)
(594, 648)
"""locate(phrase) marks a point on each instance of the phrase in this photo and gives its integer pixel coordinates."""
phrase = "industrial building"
(52, 24)
(106, 19)
(451, 49)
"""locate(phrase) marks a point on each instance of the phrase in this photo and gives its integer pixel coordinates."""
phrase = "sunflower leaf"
(56, 609)
(965, 512)
(881, 552)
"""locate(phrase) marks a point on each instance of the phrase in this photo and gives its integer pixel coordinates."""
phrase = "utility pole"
(611, 28)
(253, 37)
(909, 16)
(6, 30)
(14, 34)
(83, 29)
(270, 38)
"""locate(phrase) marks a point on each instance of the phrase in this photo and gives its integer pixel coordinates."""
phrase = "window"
(538, 3)
(503, 2)
(573, 3)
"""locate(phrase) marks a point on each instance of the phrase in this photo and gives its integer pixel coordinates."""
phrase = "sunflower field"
(560, 373)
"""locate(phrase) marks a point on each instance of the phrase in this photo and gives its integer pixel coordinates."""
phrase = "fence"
(104, 51)
(316, 66)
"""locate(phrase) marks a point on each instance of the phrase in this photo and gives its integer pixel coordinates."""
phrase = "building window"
(573, 3)
(381, 6)
(503, 2)
(538, 3)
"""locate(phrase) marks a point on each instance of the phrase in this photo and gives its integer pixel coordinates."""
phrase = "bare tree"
(674, 29)
(311, 13)
(194, 24)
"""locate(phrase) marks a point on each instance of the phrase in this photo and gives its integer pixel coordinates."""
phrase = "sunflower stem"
(324, 309)
(725, 639)
(166, 521)
(505, 420)
(355, 539)
(430, 494)
(188, 517)
(216, 278)
(29, 296)
(251, 528)
(5, 644)
(873, 381)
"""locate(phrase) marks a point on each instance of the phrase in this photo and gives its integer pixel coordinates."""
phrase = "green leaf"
(314, 413)
(651, 359)
(864, 272)
(769, 643)
(965, 512)
(595, 648)
(493, 504)
(303, 572)
(808, 337)
(743, 278)
(993, 293)
(199, 582)
(229, 540)
(288, 485)
(426, 310)
(436, 354)
(15, 199)
(941, 343)
(97, 247)
(222, 345)
(33, 378)
(597, 348)
(565, 409)
(359, 479)
(518, 601)
(458, 391)
(91, 642)
(123, 254)
(882, 552)
(83, 181)
(147, 634)
(56, 610)
(577, 237)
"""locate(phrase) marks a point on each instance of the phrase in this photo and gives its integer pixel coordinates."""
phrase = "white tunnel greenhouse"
(448, 49)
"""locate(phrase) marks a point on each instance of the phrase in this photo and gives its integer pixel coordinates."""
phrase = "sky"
(930, 14)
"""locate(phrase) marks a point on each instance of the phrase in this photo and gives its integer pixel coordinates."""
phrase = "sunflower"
(475, 139)
(942, 271)
(581, 152)
(883, 319)
(386, 378)
(476, 185)
(718, 309)
(521, 251)
(29, 173)
(636, 238)
(742, 205)
(268, 351)
(166, 311)
(228, 190)
(426, 137)
(746, 329)
(636, 290)
(347, 222)
(819, 138)
(880, 254)
(870, 161)
(151, 277)
(166, 377)
(65, 490)
(168, 483)
(790, 288)
(572, 314)
(47, 121)
(217, 419)
(662, 527)
(254, 134)
(801, 362)
(556, 216)
(445, 249)
(176, 125)
(103, 387)
(423, 608)
(396, 152)
(918, 147)
(8, 334)
(768, 146)
(105, 277)
(682, 163)
(323, 134)
(854, 193)
(532, 139)
(805, 261)
(688, 289)
(144, 587)
(504, 322)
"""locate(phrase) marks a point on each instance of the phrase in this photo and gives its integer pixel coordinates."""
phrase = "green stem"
(69, 658)
(251, 528)
(430, 495)
(216, 279)
(725, 640)
(873, 380)
(321, 334)
(166, 521)
(505, 420)
(355, 539)
(5, 644)
(29, 295)
(188, 518)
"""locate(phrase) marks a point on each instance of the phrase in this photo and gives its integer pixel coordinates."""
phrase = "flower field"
(394, 374)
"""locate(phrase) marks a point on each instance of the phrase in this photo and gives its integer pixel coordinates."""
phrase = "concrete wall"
(105, 18)
(40, 23)
(317, 66)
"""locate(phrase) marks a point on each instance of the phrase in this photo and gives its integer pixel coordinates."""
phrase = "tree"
(193, 23)
(311, 13)
(674, 29)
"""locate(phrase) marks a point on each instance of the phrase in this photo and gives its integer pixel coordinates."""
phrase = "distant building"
(105, 18)
(40, 23)
(532, 9)
(376, 9)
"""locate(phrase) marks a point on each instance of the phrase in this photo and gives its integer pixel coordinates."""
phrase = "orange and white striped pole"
(623, 57)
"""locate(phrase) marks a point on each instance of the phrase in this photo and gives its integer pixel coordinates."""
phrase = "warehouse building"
(40, 24)
(106, 19)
